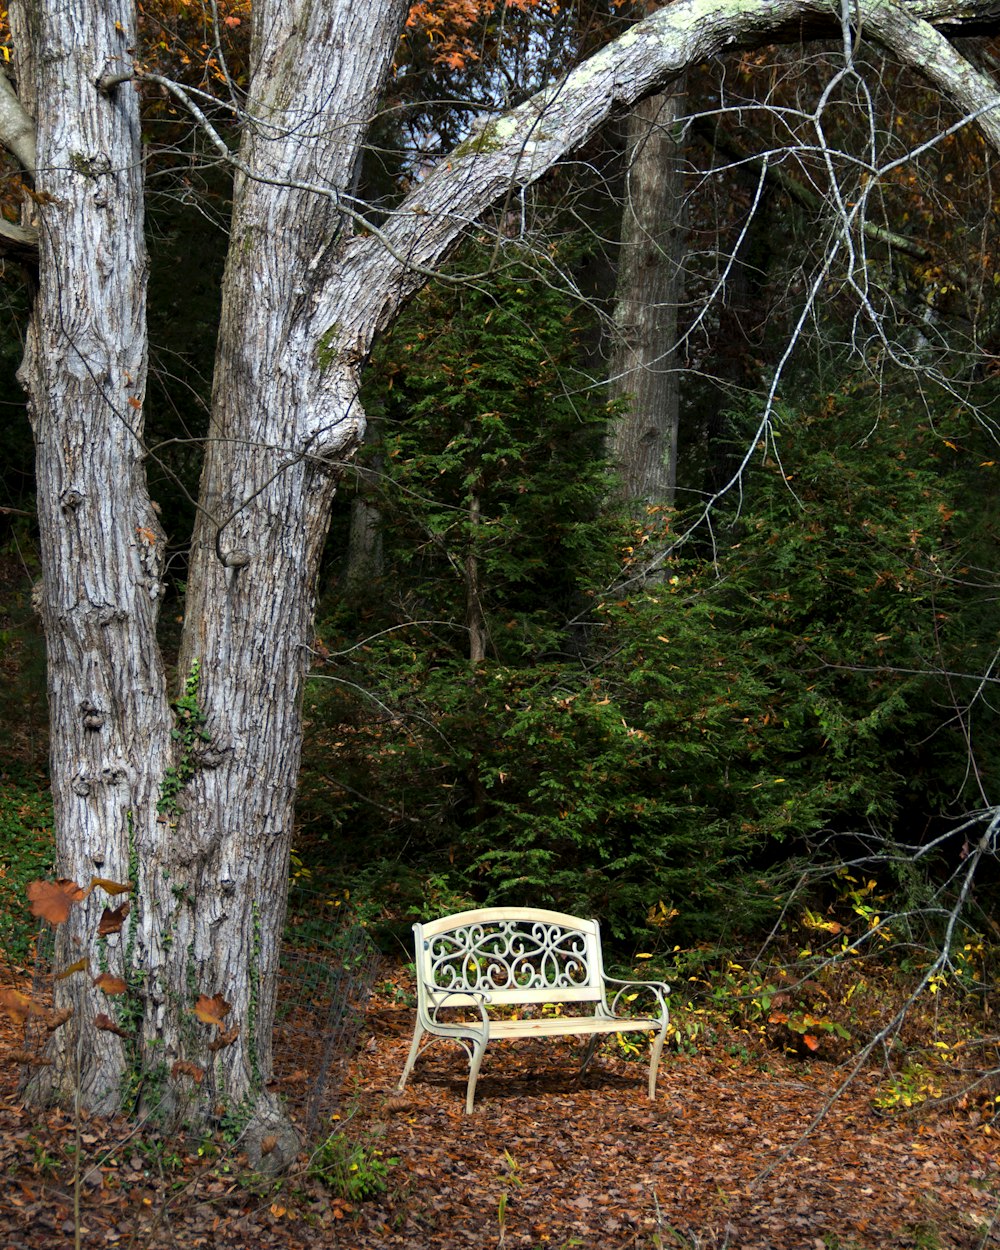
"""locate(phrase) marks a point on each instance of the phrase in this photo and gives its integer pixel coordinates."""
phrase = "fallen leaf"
(112, 920)
(56, 1019)
(80, 966)
(224, 1039)
(184, 1067)
(104, 1022)
(211, 1010)
(110, 887)
(110, 984)
(52, 900)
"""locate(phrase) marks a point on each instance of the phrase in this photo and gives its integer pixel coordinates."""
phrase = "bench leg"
(478, 1050)
(411, 1058)
(654, 1062)
(589, 1053)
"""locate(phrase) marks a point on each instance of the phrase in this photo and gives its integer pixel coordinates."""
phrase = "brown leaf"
(110, 984)
(56, 1019)
(26, 1056)
(398, 1104)
(108, 1025)
(267, 1144)
(184, 1067)
(112, 920)
(52, 900)
(110, 887)
(225, 1039)
(211, 1010)
(79, 966)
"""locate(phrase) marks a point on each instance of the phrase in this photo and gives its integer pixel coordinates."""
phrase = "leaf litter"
(547, 1160)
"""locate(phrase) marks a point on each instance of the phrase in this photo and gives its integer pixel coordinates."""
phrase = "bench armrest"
(440, 1003)
(658, 989)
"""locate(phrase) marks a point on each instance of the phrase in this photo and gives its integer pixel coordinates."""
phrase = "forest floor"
(725, 1157)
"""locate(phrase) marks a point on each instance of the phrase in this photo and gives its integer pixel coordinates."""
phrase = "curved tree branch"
(17, 129)
(518, 147)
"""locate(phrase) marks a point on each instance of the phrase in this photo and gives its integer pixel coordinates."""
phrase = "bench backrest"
(511, 955)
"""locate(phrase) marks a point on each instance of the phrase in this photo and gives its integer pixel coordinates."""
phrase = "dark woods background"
(691, 709)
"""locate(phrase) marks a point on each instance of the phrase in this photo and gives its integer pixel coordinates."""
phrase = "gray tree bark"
(364, 565)
(194, 809)
(642, 442)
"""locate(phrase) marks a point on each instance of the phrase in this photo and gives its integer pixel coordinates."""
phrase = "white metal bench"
(474, 962)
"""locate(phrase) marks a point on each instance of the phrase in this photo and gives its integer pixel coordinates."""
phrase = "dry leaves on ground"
(547, 1160)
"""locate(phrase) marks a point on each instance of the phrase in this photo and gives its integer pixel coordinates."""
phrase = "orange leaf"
(79, 966)
(184, 1067)
(134, 401)
(110, 984)
(110, 887)
(225, 1039)
(16, 1004)
(211, 1010)
(810, 1041)
(108, 1025)
(232, 21)
(52, 900)
(112, 920)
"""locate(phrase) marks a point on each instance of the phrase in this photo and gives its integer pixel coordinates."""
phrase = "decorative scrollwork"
(509, 955)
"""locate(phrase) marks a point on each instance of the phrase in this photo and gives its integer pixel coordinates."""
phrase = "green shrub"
(27, 854)
(806, 676)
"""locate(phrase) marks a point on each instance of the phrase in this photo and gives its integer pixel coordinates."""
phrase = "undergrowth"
(28, 853)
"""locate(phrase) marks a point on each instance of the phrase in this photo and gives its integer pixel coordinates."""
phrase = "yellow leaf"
(79, 966)
(109, 887)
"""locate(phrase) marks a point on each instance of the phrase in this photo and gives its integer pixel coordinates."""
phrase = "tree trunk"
(642, 443)
(285, 417)
(474, 619)
(364, 547)
(101, 545)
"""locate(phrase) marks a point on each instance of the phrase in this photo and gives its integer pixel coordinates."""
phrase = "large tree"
(189, 799)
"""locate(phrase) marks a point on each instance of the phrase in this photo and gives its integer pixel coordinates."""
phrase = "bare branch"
(515, 149)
